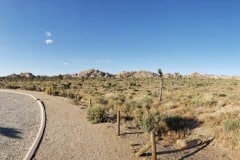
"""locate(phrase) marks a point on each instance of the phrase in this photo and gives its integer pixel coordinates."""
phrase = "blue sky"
(50, 37)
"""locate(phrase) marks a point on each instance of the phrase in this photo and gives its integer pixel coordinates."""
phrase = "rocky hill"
(196, 75)
(22, 75)
(212, 76)
(136, 74)
(93, 73)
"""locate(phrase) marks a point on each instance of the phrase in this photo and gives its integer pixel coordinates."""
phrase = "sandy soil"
(69, 135)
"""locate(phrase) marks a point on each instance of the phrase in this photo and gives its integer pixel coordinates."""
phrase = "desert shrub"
(12, 86)
(197, 102)
(116, 101)
(30, 87)
(232, 125)
(77, 99)
(146, 101)
(70, 95)
(49, 90)
(147, 121)
(128, 107)
(209, 100)
(102, 100)
(55, 93)
(52, 91)
(96, 114)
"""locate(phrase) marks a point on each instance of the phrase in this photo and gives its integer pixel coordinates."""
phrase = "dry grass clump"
(227, 129)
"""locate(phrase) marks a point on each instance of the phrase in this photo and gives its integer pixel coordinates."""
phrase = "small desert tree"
(161, 84)
(148, 121)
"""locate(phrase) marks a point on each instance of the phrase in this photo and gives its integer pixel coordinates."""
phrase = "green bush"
(96, 114)
(148, 121)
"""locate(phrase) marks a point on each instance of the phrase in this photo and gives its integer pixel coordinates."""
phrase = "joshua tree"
(161, 84)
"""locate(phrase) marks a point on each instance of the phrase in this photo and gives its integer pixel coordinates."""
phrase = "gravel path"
(19, 124)
(68, 135)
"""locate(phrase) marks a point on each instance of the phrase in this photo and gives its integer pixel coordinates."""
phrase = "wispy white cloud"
(66, 63)
(48, 34)
(48, 41)
(103, 61)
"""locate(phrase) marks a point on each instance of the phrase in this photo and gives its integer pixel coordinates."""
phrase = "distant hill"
(136, 74)
(93, 73)
(197, 75)
(206, 76)
(22, 75)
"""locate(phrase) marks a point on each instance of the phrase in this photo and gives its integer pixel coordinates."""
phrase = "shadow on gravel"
(195, 149)
(10, 132)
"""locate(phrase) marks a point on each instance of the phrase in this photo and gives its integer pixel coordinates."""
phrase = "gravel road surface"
(19, 124)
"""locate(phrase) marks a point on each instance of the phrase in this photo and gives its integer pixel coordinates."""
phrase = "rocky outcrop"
(13, 76)
(211, 76)
(93, 73)
(136, 74)
(22, 75)
(27, 75)
(196, 75)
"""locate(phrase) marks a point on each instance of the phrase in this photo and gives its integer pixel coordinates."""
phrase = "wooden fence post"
(143, 150)
(90, 103)
(153, 144)
(118, 123)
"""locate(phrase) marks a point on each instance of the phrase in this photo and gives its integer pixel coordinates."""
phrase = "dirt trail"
(69, 135)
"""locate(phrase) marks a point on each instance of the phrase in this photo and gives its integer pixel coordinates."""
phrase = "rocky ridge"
(94, 73)
(22, 75)
(136, 74)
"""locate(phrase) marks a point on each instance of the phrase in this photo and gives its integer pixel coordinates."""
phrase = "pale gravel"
(19, 124)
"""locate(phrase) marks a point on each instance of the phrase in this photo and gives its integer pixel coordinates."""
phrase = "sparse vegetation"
(201, 98)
